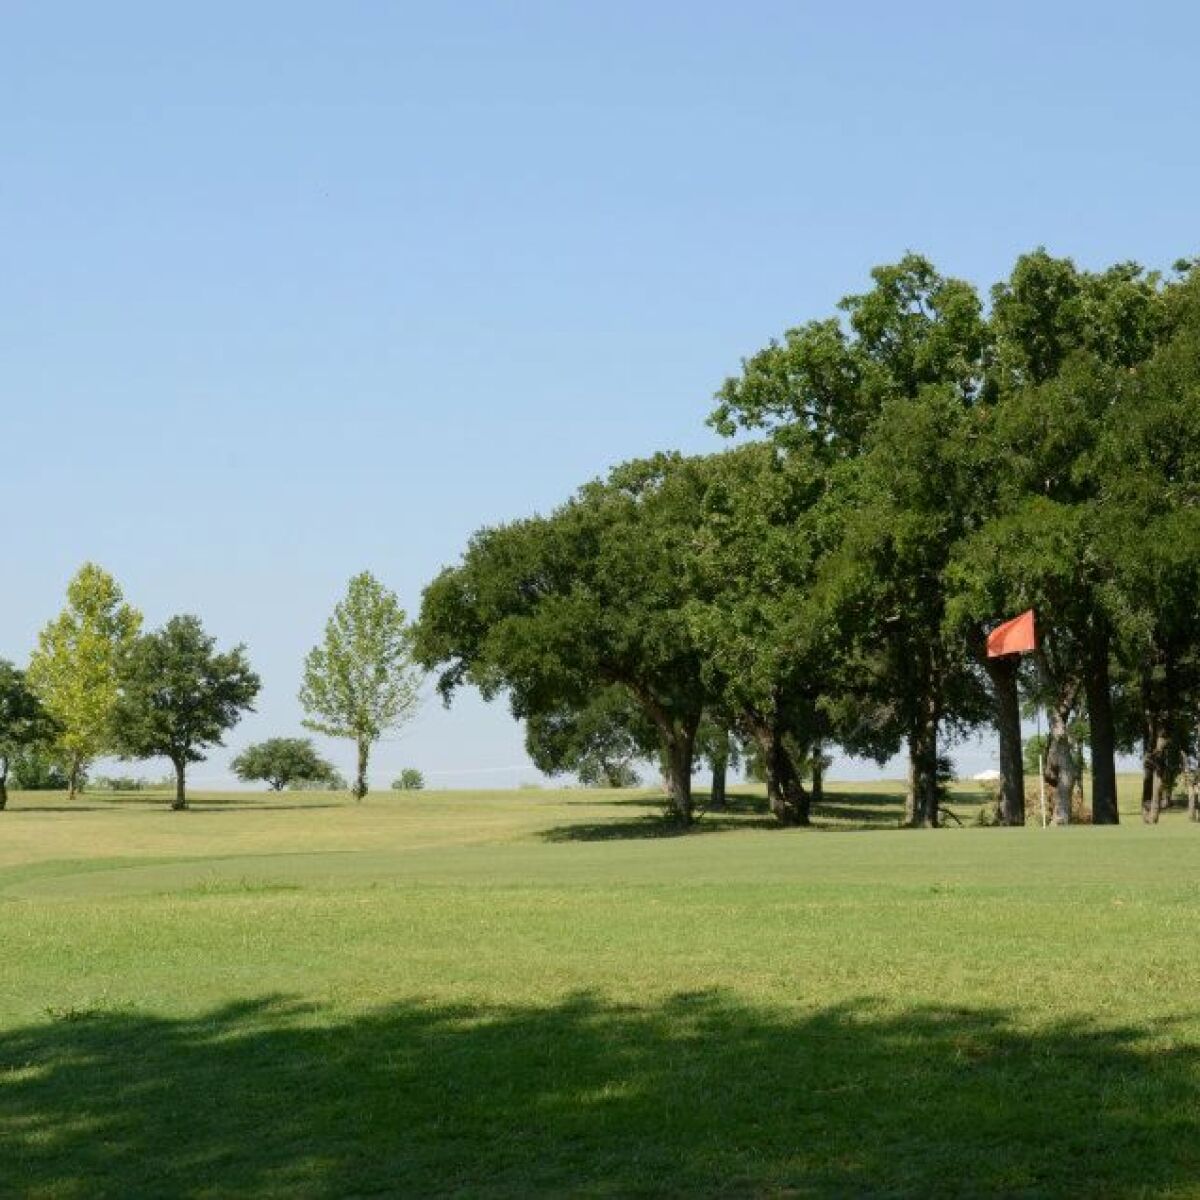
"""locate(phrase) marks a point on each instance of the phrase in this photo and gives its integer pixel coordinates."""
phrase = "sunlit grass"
(513, 992)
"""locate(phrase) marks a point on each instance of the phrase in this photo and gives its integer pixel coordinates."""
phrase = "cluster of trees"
(926, 465)
(97, 685)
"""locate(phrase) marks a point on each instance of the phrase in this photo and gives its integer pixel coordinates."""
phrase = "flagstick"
(1041, 766)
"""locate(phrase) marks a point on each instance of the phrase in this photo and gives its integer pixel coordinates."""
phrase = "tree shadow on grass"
(864, 809)
(698, 1095)
(651, 826)
(740, 812)
(885, 810)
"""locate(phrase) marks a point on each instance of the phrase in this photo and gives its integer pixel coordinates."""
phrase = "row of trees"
(98, 685)
(926, 466)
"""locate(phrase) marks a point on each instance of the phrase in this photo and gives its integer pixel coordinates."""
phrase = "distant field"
(513, 993)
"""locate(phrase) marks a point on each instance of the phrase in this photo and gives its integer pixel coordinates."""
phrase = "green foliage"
(129, 783)
(826, 384)
(409, 780)
(36, 769)
(75, 667)
(178, 696)
(553, 610)
(283, 762)
(335, 781)
(599, 742)
(25, 726)
(362, 680)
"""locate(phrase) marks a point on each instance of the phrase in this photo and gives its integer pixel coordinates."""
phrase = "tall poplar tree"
(74, 669)
(362, 680)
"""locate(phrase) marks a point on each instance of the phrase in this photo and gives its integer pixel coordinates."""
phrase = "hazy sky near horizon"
(292, 290)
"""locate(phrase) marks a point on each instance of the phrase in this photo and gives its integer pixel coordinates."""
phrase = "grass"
(505, 994)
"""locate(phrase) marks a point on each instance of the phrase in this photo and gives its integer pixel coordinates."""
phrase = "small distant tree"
(35, 769)
(600, 740)
(24, 724)
(178, 696)
(362, 681)
(74, 669)
(282, 762)
(409, 780)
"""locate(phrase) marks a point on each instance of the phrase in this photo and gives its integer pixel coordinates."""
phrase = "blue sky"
(290, 290)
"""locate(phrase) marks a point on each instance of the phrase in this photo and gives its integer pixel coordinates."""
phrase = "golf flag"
(1013, 637)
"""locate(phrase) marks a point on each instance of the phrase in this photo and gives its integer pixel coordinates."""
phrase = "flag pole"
(1041, 765)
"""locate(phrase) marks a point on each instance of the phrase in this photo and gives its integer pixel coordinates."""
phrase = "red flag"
(1013, 637)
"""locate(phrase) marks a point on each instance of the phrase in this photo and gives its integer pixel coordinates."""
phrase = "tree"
(599, 741)
(35, 769)
(718, 747)
(554, 609)
(1066, 344)
(911, 354)
(907, 503)
(1148, 495)
(74, 669)
(179, 696)
(362, 680)
(24, 724)
(767, 663)
(282, 762)
(409, 780)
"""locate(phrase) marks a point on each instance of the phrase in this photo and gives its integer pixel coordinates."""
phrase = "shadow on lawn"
(841, 811)
(700, 1095)
(740, 812)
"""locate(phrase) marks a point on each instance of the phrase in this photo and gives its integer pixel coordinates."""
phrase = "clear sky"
(289, 290)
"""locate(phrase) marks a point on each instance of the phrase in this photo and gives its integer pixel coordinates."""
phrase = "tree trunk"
(3, 784)
(818, 774)
(720, 772)
(789, 802)
(678, 757)
(921, 809)
(180, 801)
(1160, 719)
(360, 778)
(1149, 736)
(75, 770)
(1157, 767)
(1003, 674)
(1103, 740)
(1193, 808)
(792, 803)
(1060, 763)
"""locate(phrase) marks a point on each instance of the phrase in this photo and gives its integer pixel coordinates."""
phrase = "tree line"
(907, 472)
(98, 685)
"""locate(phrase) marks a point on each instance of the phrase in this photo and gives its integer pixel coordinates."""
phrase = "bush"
(989, 810)
(124, 783)
(335, 781)
(1081, 814)
(409, 780)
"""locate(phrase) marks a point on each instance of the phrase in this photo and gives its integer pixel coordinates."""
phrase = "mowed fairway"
(510, 993)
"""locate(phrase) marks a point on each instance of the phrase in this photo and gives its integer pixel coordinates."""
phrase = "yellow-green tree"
(362, 681)
(73, 671)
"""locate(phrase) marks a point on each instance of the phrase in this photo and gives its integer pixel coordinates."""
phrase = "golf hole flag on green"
(1017, 636)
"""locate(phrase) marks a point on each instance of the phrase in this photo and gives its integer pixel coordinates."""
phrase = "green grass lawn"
(515, 993)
